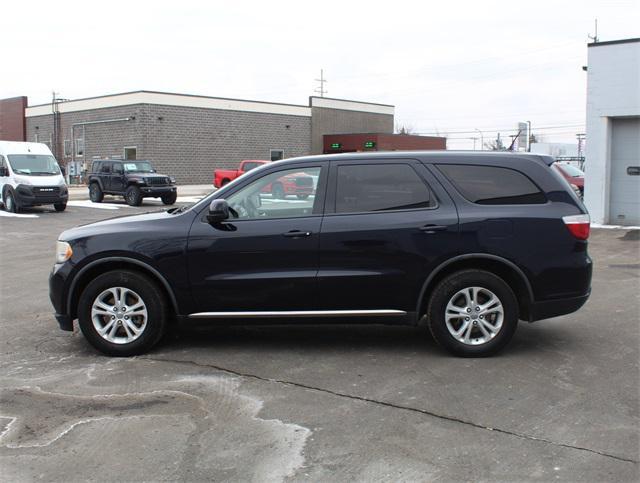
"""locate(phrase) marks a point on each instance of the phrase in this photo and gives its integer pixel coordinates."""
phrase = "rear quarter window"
(490, 185)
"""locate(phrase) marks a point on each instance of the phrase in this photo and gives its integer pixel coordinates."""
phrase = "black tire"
(60, 206)
(169, 199)
(133, 196)
(95, 193)
(303, 197)
(151, 295)
(277, 191)
(10, 203)
(447, 289)
(224, 182)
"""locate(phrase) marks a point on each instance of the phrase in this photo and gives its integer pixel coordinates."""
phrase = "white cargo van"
(30, 176)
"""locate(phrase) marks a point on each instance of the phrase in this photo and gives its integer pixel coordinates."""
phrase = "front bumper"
(57, 295)
(156, 191)
(27, 195)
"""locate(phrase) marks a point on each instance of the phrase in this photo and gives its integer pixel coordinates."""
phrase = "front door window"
(283, 194)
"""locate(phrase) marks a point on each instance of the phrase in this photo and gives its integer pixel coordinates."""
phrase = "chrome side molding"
(296, 313)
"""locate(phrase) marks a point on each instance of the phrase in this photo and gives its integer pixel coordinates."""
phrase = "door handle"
(429, 229)
(296, 234)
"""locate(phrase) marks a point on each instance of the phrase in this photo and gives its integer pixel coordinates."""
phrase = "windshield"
(571, 170)
(34, 164)
(138, 167)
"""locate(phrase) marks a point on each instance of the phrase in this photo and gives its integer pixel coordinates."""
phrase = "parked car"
(466, 244)
(30, 176)
(134, 180)
(573, 175)
(221, 177)
(296, 184)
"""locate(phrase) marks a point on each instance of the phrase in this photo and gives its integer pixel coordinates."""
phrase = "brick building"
(189, 136)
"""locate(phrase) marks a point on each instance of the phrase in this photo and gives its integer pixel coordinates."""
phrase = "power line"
(506, 129)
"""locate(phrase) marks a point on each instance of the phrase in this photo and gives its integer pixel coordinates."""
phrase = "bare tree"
(404, 129)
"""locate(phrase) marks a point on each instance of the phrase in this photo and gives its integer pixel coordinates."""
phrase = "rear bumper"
(556, 308)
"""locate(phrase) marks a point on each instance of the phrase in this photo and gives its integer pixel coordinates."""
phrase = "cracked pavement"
(317, 403)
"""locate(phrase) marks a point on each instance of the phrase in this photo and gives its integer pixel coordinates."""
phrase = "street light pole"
(481, 139)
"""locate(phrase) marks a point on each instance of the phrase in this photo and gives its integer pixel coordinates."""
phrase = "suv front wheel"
(473, 313)
(133, 196)
(169, 199)
(122, 313)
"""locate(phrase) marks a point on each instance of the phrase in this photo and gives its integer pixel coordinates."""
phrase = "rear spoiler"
(548, 160)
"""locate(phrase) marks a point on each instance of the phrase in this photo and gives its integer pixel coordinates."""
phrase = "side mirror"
(4, 171)
(218, 211)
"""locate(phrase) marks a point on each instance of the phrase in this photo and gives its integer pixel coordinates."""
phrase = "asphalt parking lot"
(326, 403)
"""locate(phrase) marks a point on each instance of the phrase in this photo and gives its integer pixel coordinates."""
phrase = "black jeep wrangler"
(132, 179)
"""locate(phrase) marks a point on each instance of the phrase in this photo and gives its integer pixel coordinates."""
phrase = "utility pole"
(481, 139)
(320, 90)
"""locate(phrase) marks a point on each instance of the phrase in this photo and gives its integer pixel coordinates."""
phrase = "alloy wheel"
(119, 315)
(474, 315)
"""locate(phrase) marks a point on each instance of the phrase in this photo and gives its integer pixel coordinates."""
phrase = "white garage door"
(624, 203)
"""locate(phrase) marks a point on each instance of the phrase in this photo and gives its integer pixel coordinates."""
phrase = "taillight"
(578, 225)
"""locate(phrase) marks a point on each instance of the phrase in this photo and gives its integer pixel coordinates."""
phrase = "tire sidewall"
(453, 284)
(133, 196)
(95, 193)
(11, 207)
(148, 292)
(169, 199)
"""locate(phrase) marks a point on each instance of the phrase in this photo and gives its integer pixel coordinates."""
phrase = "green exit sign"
(369, 144)
(336, 145)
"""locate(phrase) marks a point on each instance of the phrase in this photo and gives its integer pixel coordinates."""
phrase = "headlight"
(172, 180)
(63, 251)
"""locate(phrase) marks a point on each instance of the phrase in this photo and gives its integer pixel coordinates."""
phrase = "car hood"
(120, 224)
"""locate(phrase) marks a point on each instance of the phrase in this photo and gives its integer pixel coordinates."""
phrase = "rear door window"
(380, 187)
(490, 185)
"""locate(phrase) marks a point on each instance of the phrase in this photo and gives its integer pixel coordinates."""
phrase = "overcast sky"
(449, 67)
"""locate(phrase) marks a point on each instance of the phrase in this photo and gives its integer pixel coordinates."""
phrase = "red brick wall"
(12, 121)
(384, 142)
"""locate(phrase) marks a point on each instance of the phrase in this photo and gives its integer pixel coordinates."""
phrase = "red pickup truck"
(222, 176)
(298, 184)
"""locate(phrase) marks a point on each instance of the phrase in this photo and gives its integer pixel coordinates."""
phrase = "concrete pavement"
(347, 403)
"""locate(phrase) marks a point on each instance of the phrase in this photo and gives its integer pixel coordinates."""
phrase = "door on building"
(624, 188)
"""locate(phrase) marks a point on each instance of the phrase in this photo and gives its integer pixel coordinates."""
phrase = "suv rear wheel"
(133, 196)
(473, 313)
(122, 313)
(95, 193)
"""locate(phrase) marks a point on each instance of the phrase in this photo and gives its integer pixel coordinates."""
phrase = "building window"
(130, 153)
(277, 154)
(79, 147)
(67, 148)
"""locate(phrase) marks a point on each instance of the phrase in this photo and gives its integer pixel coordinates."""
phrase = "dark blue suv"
(466, 243)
